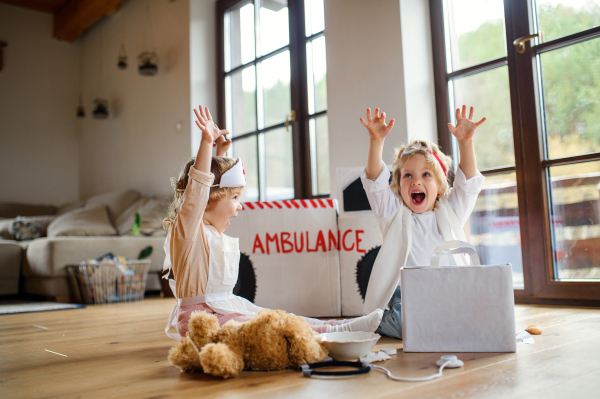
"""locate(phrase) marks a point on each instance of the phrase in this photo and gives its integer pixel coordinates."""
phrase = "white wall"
(39, 157)
(203, 64)
(415, 23)
(138, 146)
(377, 56)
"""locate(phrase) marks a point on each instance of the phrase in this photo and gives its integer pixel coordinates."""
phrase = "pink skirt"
(184, 313)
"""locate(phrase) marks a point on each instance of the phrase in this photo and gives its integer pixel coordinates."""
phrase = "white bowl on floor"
(347, 346)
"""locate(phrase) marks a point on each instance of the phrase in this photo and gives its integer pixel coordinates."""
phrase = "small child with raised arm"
(418, 210)
(204, 261)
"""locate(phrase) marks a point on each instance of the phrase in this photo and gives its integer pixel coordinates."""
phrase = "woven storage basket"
(107, 282)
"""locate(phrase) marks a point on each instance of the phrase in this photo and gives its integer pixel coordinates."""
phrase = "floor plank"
(120, 350)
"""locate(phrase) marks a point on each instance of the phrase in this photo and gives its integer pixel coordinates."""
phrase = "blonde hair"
(218, 167)
(421, 147)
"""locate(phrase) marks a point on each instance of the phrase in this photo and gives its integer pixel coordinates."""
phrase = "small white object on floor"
(389, 351)
(55, 352)
(525, 337)
(45, 328)
(375, 357)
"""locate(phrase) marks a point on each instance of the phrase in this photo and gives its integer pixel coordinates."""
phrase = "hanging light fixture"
(122, 61)
(148, 60)
(100, 109)
(80, 109)
(148, 64)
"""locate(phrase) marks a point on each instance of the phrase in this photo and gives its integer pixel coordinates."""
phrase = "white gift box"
(458, 309)
(292, 249)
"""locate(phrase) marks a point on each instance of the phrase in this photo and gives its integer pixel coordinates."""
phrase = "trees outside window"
(273, 95)
(540, 148)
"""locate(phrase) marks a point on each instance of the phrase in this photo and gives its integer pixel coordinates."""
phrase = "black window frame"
(298, 88)
(531, 165)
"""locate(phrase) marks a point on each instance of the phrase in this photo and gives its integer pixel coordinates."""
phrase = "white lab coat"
(396, 222)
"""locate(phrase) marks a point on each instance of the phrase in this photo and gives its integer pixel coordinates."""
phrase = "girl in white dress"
(204, 261)
(419, 210)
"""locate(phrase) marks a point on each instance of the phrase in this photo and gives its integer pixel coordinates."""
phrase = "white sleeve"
(463, 194)
(382, 199)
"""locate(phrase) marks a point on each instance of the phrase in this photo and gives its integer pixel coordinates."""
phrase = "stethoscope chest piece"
(308, 370)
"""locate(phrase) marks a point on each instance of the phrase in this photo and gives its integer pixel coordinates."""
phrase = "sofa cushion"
(14, 209)
(10, 267)
(48, 257)
(152, 213)
(70, 206)
(82, 222)
(116, 202)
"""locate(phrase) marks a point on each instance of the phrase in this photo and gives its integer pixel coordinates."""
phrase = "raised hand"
(210, 131)
(222, 145)
(376, 125)
(465, 127)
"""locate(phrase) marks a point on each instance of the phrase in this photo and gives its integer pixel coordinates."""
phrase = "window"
(273, 95)
(540, 148)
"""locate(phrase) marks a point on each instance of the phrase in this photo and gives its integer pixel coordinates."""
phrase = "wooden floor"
(121, 351)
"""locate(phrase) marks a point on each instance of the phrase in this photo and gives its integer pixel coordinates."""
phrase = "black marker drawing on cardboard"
(364, 266)
(355, 197)
(246, 283)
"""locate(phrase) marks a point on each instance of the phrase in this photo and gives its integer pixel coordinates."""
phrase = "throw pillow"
(70, 206)
(116, 202)
(30, 227)
(82, 222)
(152, 213)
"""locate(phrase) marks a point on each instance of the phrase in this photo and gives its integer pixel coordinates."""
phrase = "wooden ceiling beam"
(75, 16)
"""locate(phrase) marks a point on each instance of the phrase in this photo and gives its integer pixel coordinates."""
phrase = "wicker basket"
(107, 282)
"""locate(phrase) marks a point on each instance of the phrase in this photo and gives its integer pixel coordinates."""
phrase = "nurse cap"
(234, 177)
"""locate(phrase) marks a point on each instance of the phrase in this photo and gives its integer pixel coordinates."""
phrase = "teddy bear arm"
(221, 361)
(185, 356)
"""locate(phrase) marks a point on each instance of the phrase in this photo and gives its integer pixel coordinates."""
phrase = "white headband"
(234, 177)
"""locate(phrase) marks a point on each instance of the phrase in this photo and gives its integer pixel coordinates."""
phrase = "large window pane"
(279, 165)
(319, 155)
(489, 93)
(316, 66)
(475, 32)
(275, 85)
(240, 101)
(558, 18)
(247, 149)
(576, 220)
(239, 36)
(274, 27)
(314, 16)
(571, 92)
(494, 225)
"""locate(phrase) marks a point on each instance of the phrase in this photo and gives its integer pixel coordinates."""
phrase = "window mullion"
(301, 141)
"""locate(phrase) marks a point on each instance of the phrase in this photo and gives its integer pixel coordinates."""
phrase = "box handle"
(454, 247)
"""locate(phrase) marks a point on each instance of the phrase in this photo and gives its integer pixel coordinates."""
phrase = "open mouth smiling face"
(418, 185)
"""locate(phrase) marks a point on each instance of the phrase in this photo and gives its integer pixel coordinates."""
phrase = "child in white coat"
(419, 210)
(204, 261)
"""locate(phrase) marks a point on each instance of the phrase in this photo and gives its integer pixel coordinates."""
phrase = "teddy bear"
(271, 340)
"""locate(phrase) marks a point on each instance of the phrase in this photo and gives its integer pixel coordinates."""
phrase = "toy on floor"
(533, 329)
(271, 340)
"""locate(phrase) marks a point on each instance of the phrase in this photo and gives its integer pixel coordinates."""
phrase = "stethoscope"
(310, 370)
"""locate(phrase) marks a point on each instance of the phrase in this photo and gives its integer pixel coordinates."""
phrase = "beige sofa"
(75, 232)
